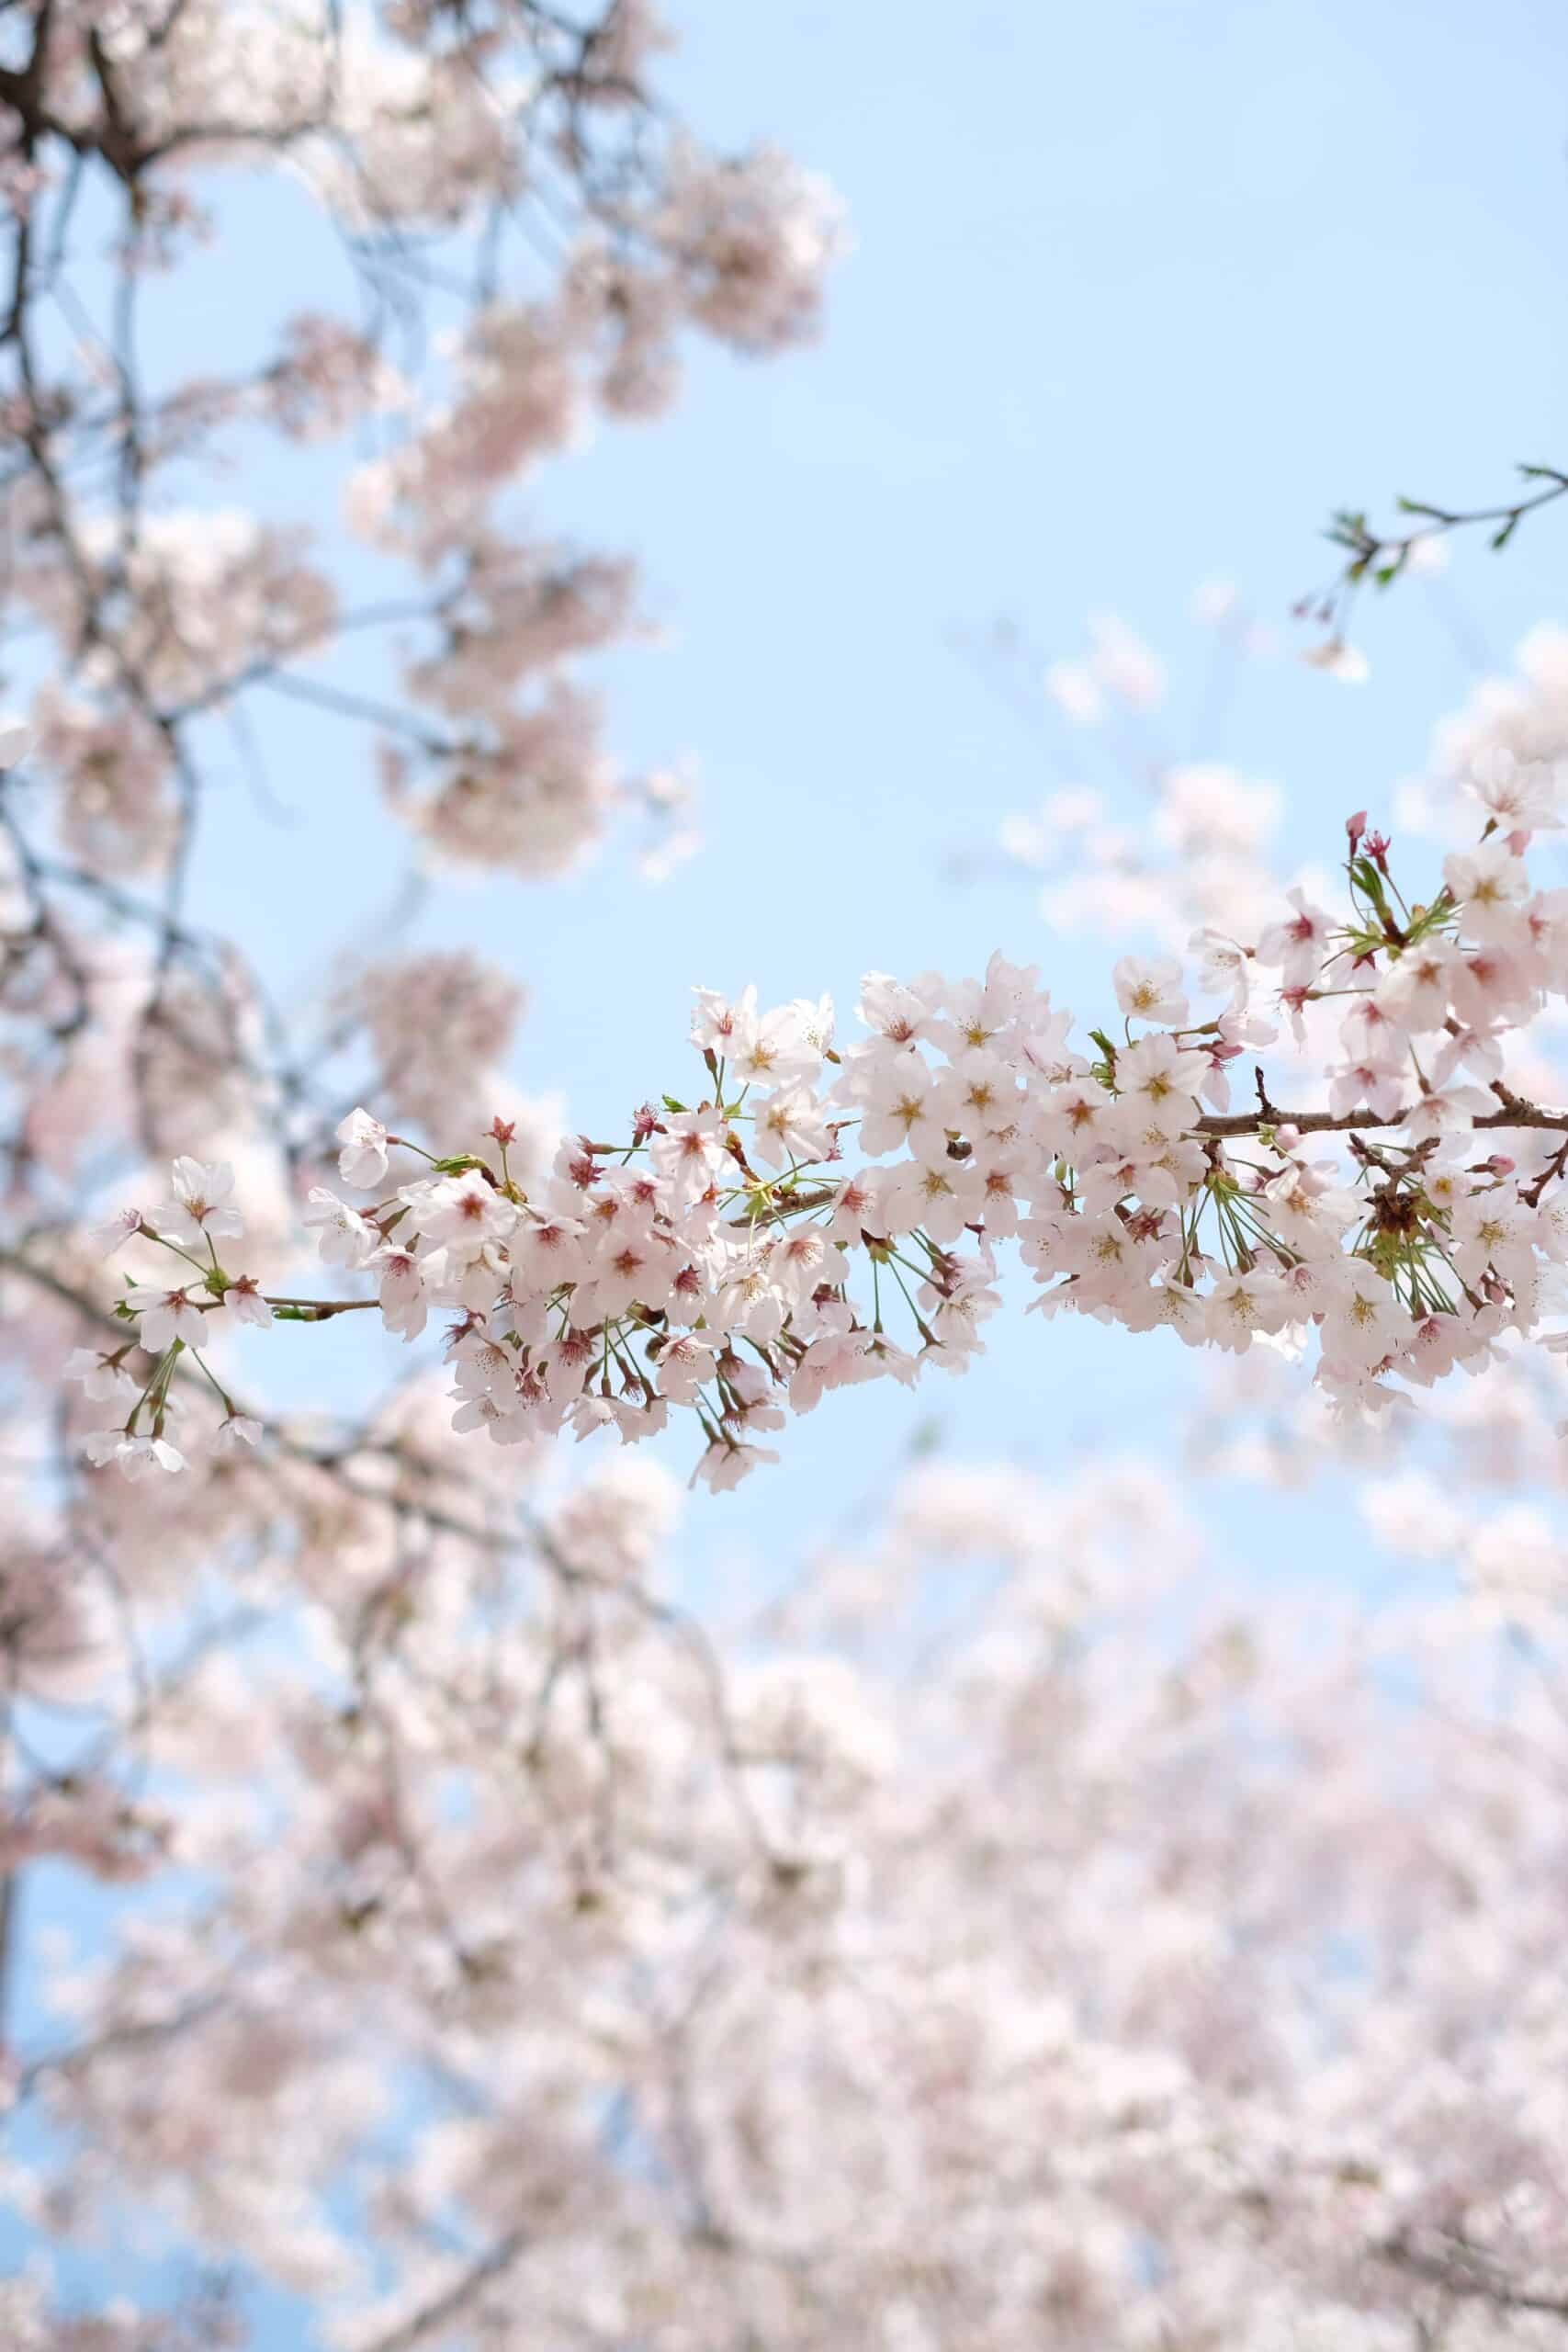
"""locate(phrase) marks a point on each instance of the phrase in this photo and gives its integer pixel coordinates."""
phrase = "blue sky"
(1137, 293)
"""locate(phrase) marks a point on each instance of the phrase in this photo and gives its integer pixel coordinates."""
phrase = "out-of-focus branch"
(1379, 559)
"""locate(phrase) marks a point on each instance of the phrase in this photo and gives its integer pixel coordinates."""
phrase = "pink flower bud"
(1355, 826)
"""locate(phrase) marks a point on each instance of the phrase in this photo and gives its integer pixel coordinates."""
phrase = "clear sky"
(1139, 291)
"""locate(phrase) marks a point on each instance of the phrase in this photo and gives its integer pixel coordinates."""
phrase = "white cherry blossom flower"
(1150, 991)
(343, 1237)
(362, 1162)
(197, 1211)
(135, 1457)
(164, 1315)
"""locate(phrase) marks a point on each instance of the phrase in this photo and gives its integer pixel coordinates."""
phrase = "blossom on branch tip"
(107, 1234)
(362, 1162)
(242, 1300)
(135, 1457)
(101, 1379)
(199, 1211)
(346, 1238)
(164, 1315)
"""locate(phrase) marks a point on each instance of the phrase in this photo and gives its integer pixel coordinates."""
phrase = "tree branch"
(457, 2298)
(1321, 1122)
(1462, 2269)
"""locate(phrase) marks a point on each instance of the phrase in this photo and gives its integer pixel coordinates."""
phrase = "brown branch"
(315, 1310)
(1462, 2269)
(451, 2305)
(1323, 1123)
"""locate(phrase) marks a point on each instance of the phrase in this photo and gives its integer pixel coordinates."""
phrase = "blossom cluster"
(502, 1962)
(819, 1217)
(602, 234)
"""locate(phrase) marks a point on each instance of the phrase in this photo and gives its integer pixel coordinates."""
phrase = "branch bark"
(457, 2298)
(1466, 2271)
(1323, 1123)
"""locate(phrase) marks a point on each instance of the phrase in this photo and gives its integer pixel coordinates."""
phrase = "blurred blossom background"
(971, 622)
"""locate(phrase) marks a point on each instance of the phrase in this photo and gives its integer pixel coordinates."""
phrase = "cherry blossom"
(1022, 1922)
(1131, 1202)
